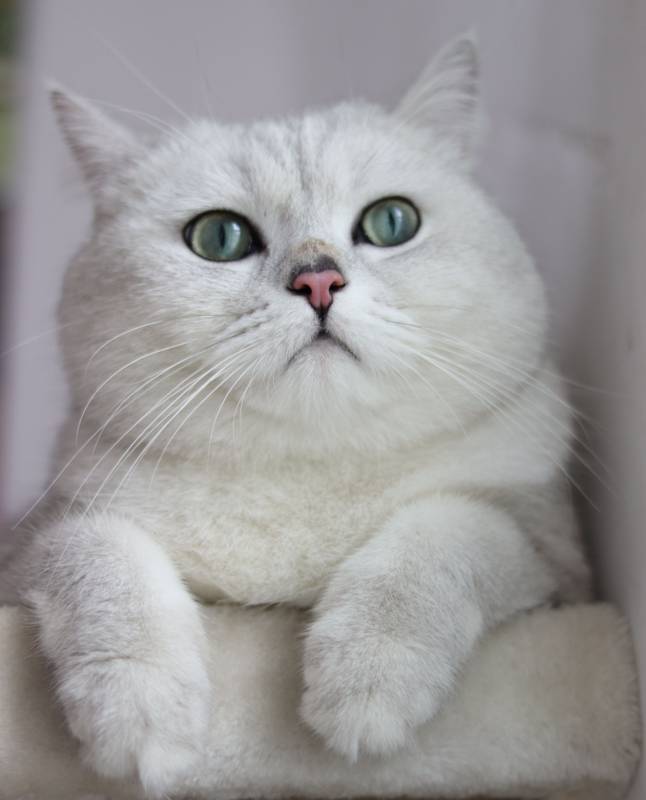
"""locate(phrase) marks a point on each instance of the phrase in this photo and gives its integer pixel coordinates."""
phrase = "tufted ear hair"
(445, 97)
(100, 146)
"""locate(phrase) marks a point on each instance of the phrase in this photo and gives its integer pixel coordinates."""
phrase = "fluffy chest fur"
(274, 534)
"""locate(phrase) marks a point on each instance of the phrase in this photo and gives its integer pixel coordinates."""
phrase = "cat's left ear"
(445, 98)
(101, 146)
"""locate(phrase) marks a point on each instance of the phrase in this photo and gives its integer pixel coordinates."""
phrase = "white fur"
(414, 494)
(128, 645)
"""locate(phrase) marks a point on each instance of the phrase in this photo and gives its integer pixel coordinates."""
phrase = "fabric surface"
(547, 707)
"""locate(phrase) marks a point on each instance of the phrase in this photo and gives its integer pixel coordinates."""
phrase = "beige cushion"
(547, 707)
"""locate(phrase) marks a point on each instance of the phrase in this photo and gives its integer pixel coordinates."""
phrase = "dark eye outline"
(256, 243)
(359, 235)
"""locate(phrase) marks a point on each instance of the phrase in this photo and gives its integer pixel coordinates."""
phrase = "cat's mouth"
(323, 338)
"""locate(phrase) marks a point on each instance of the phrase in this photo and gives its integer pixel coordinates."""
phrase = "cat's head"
(335, 279)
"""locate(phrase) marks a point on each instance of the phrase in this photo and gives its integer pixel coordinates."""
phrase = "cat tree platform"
(547, 708)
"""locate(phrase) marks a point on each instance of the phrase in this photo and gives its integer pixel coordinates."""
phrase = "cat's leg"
(127, 646)
(402, 614)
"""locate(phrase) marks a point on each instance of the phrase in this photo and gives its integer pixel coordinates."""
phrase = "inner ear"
(100, 145)
(445, 97)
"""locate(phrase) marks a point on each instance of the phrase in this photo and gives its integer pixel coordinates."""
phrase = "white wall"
(564, 86)
(612, 338)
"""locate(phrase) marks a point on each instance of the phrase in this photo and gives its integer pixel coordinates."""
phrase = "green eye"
(221, 236)
(388, 222)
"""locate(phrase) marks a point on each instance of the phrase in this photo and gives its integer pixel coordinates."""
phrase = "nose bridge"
(312, 252)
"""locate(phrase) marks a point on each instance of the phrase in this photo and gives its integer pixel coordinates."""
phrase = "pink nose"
(318, 286)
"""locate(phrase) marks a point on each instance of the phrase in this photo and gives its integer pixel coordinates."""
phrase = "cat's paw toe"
(355, 724)
(160, 762)
(164, 763)
(139, 719)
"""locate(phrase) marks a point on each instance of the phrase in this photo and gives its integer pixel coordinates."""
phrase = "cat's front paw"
(365, 689)
(139, 718)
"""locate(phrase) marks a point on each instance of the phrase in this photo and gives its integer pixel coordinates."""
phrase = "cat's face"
(313, 335)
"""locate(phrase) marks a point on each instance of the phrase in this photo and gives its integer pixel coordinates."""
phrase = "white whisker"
(141, 77)
(121, 369)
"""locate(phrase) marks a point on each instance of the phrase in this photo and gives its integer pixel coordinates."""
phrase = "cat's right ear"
(101, 146)
(445, 98)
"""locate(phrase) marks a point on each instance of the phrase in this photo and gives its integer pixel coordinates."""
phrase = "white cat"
(308, 365)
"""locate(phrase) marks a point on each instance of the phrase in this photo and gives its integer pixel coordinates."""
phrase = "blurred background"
(564, 88)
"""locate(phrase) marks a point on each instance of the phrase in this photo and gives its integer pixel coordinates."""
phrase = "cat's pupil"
(394, 216)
